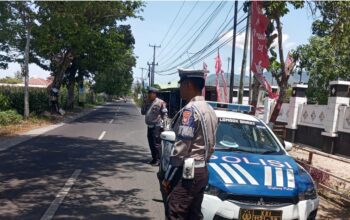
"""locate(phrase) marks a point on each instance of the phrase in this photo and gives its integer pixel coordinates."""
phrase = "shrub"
(10, 117)
(4, 102)
(38, 98)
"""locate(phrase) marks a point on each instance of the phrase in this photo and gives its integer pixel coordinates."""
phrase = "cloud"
(239, 40)
(286, 42)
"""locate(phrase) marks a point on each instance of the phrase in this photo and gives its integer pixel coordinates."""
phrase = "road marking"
(111, 121)
(50, 212)
(102, 135)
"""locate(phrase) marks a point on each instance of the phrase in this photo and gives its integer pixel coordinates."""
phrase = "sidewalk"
(336, 165)
(7, 142)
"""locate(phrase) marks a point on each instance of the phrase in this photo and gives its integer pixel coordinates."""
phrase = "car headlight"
(310, 193)
(214, 191)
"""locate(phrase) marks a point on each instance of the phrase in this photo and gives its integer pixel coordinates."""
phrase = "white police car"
(251, 175)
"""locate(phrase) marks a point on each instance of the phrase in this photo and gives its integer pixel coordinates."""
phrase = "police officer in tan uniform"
(156, 115)
(195, 129)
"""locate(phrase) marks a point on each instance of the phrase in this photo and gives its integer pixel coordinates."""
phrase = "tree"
(334, 23)
(326, 57)
(79, 37)
(5, 13)
(17, 27)
(70, 29)
(274, 10)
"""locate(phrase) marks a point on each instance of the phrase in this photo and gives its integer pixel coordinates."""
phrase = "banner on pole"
(260, 57)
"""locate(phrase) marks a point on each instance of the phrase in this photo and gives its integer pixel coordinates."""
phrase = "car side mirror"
(288, 145)
(168, 136)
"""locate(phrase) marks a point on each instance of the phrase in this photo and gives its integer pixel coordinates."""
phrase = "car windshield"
(245, 136)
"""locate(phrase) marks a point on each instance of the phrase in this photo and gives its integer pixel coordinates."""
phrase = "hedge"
(13, 98)
(38, 99)
(9, 117)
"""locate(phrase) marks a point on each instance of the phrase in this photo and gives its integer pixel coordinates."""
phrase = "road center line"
(102, 135)
(111, 121)
(50, 212)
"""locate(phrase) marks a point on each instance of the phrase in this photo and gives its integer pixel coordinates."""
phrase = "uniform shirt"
(155, 112)
(190, 141)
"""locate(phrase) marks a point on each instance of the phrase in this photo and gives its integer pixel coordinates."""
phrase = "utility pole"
(245, 49)
(250, 59)
(233, 52)
(143, 81)
(149, 74)
(154, 62)
(228, 64)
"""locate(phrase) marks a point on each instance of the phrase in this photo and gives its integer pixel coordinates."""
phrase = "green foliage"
(10, 80)
(38, 99)
(334, 24)
(319, 60)
(156, 86)
(87, 33)
(9, 117)
(4, 102)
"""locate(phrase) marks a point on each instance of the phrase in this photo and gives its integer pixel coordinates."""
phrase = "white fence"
(284, 113)
(344, 119)
(313, 115)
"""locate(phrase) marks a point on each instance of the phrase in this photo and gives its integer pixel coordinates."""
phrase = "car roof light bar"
(231, 107)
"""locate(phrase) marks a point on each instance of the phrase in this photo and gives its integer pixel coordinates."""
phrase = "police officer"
(195, 129)
(156, 115)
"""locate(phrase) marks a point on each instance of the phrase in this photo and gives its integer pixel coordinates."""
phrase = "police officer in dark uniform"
(156, 115)
(187, 175)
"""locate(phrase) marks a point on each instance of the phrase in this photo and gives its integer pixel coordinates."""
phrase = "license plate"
(253, 214)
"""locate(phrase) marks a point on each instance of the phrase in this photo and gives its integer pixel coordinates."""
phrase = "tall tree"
(18, 26)
(275, 10)
(71, 29)
(5, 14)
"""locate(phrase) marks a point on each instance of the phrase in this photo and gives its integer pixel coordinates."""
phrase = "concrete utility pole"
(241, 82)
(154, 62)
(149, 74)
(233, 51)
(228, 64)
(143, 81)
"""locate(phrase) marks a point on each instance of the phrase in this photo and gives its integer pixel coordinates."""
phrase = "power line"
(201, 51)
(194, 24)
(206, 55)
(201, 30)
(177, 30)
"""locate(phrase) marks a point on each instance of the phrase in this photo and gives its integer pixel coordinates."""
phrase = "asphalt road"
(92, 168)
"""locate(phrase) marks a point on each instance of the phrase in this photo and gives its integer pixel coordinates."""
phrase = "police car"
(251, 175)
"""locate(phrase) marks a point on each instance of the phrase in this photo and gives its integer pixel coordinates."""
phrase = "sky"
(175, 26)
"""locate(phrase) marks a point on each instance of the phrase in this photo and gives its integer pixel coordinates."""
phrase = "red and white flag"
(259, 48)
(219, 71)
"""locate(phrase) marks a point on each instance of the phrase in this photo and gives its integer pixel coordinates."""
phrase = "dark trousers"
(185, 199)
(154, 141)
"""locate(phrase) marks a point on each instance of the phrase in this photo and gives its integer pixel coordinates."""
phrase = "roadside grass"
(37, 121)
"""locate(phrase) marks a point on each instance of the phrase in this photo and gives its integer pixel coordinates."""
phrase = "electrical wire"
(201, 51)
(177, 30)
(201, 30)
(207, 55)
(191, 28)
